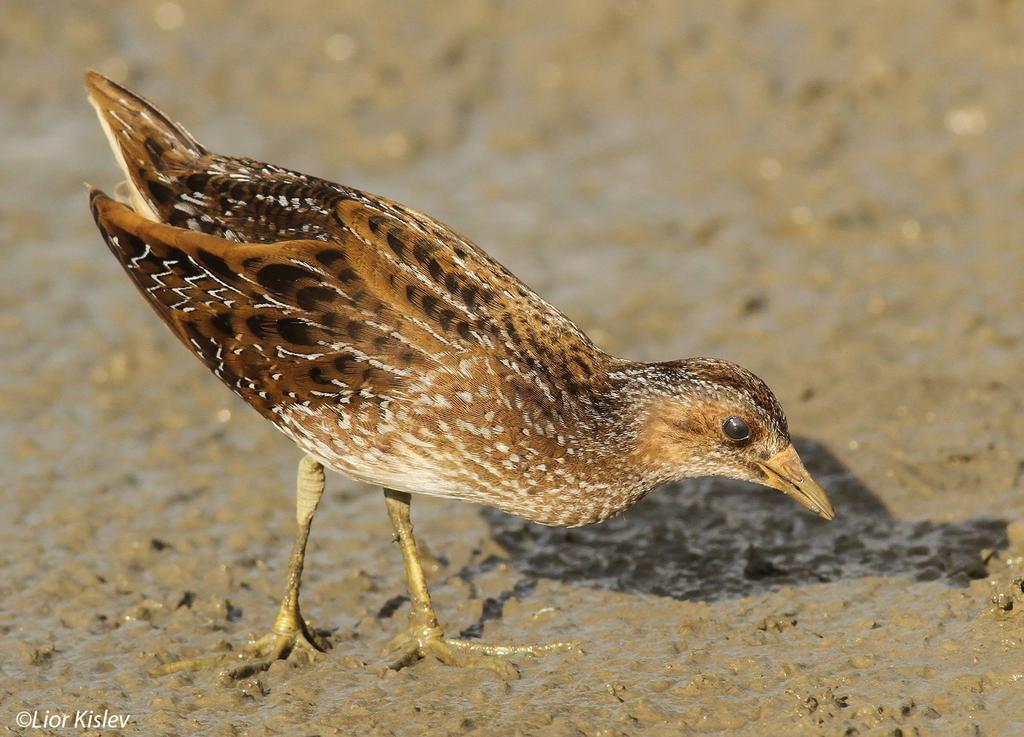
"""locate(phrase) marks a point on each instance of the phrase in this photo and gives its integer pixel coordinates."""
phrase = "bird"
(393, 350)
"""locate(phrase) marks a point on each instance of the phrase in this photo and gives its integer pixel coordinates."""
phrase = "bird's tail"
(149, 147)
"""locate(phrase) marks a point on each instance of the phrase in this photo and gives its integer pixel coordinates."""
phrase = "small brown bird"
(393, 350)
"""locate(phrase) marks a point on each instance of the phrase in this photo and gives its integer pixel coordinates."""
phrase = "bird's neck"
(608, 444)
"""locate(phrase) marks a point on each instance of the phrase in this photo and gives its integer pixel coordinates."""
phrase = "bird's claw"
(257, 656)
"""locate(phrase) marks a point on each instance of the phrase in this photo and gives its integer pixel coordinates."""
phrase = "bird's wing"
(415, 262)
(347, 320)
(285, 323)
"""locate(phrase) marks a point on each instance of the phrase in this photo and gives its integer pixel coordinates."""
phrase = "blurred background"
(829, 194)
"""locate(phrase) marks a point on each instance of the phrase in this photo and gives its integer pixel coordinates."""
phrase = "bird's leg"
(424, 635)
(290, 632)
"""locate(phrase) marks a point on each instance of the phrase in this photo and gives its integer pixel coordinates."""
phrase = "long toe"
(410, 646)
(443, 650)
(257, 656)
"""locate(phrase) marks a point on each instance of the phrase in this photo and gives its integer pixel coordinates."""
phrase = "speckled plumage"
(384, 343)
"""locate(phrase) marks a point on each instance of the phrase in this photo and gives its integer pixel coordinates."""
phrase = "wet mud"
(828, 194)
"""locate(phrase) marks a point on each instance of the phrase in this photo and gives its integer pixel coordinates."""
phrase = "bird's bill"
(785, 471)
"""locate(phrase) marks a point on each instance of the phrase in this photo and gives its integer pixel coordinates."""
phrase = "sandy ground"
(831, 194)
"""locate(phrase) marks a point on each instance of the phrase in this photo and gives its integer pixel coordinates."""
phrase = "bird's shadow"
(712, 538)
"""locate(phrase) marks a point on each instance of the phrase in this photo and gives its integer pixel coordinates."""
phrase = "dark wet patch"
(391, 606)
(494, 606)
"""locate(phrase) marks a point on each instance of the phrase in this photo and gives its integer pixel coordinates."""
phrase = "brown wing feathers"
(374, 294)
(459, 286)
(282, 323)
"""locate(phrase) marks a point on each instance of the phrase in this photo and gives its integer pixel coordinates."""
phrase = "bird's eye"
(736, 428)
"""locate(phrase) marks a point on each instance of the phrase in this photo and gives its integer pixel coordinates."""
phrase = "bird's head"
(707, 417)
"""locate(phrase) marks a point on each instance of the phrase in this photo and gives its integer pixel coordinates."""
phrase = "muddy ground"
(831, 194)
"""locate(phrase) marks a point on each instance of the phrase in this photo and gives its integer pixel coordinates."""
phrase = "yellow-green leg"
(291, 633)
(424, 635)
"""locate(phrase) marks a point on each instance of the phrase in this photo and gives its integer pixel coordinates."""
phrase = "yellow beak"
(785, 471)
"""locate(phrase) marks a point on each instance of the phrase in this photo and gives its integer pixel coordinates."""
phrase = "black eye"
(736, 428)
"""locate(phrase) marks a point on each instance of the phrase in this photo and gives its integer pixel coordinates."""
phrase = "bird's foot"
(257, 656)
(424, 639)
